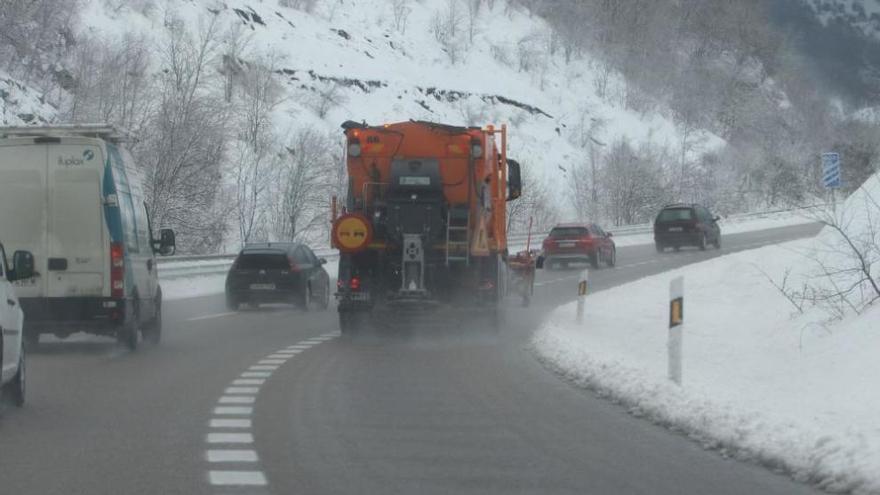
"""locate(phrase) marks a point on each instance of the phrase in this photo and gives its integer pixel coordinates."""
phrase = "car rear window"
(262, 261)
(568, 232)
(672, 214)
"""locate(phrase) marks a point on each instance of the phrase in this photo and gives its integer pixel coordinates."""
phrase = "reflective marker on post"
(582, 294)
(676, 327)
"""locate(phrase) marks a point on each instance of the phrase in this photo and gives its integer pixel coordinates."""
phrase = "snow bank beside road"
(761, 381)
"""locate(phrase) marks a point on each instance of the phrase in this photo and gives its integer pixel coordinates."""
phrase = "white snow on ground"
(21, 105)
(797, 392)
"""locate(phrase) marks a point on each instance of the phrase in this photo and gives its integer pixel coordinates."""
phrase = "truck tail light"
(117, 270)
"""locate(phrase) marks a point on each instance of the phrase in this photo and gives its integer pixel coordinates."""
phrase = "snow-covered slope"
(378, 73)
(21, 105)
(861, 14)
(788, 381)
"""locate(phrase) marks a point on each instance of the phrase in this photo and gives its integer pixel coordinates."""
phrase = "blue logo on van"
(88, 155)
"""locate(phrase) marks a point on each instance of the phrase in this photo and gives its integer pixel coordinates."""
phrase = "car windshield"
(262, 261)
(563, 232)
(673, 214)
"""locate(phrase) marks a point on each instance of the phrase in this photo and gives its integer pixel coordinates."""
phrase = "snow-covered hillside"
(359, 56)
(22, 105)
(861, 14)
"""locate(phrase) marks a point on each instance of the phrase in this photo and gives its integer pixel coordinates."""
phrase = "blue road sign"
(831, 170)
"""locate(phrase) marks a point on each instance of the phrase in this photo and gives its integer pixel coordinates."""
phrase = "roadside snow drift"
(793, 389)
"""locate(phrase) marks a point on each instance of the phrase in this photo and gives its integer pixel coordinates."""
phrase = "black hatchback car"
(278, 273)
(680, 225)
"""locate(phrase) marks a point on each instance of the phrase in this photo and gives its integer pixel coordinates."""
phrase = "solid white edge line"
(231, 455)
(208, 317)
(237, 478)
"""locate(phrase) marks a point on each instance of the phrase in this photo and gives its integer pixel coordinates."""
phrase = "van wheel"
(127, 334)
(153, 330)
(14, 391)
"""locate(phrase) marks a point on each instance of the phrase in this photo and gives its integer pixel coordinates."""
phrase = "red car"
(579, 242)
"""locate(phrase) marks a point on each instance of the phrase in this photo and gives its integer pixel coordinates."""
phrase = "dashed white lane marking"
(209, 317)
(272, 361)
(249, 381)
(233, 410)
(230, 423)
(237, 399)
(264, 367)
(256, 374)
(242, 390)
(231, 456)
(230, 438)
(237, 478)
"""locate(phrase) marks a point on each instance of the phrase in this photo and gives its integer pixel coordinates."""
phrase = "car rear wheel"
(659, 247)
(703, 242)
(305, 299)
(594, 260)
(14, 391)
(612, 258)
(325, 300)
(718, 242)
(231, 303)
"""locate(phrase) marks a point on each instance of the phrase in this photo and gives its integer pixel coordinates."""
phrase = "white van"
(73, 197)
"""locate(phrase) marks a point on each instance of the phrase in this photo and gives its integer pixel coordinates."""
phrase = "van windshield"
(673, 214)
(262, 261)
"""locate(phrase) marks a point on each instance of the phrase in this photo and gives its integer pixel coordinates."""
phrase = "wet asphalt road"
(466, 410)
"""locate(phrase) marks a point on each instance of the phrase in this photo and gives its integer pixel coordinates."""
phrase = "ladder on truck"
(458, 242)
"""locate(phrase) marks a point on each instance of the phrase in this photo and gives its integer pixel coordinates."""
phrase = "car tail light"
(294, 267)
(355, 283)
(117, 270)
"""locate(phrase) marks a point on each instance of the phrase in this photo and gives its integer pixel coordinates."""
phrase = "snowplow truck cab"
(424, 220)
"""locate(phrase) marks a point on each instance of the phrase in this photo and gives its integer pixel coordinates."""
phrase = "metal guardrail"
(218, 264)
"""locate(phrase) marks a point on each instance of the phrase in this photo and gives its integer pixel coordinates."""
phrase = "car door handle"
(10, 302)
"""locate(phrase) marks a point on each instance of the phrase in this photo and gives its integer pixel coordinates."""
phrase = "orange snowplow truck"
(424, 221)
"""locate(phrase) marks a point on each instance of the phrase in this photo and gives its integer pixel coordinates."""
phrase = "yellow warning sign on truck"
(352, 233)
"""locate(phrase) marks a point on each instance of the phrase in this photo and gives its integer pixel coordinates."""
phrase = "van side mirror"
(166, 245)
(22, 266)
(514, 180)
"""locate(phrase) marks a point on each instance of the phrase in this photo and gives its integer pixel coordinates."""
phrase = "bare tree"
(447, 28)
(324, 98)
(184, 144)
(400, 10)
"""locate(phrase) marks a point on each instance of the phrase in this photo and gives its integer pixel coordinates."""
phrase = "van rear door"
(23, 207)
(76, 247)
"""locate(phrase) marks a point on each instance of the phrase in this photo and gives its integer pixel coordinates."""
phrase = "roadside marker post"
(582, 294)
(676, 328)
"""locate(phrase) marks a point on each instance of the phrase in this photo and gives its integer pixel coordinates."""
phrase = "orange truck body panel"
(380, 145)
